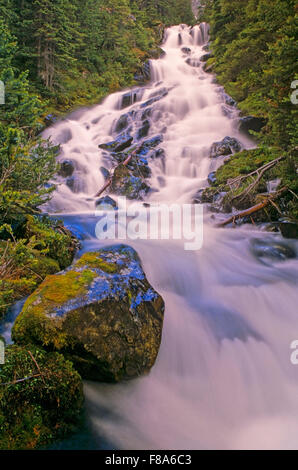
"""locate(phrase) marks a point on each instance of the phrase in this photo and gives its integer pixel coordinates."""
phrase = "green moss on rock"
(101, 313)
(93, 260)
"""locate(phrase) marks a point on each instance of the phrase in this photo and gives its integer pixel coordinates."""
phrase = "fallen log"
(253, 209)
(109, 181)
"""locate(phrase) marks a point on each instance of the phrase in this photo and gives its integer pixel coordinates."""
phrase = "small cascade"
(223, 379)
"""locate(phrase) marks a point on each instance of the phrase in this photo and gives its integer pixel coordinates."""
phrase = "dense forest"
(81, 50)
(255, 54)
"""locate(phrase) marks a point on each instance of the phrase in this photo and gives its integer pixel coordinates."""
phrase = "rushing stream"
(223, 378)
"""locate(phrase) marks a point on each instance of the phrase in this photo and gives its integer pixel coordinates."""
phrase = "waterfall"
(223, 378)
(195, 4)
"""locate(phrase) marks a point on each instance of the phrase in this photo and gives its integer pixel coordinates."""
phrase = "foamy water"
(223, 378)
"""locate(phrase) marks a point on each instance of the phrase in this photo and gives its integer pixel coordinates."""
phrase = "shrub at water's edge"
(41, 398)
(248, 177)
(254, 53)
(44, 247)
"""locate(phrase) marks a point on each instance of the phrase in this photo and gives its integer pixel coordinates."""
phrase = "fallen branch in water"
(248, 212)
(109, 181)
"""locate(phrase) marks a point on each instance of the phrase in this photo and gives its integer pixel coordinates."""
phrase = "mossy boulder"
(41, 398)
(101, 313)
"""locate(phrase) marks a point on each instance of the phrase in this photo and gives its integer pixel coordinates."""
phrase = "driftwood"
(248, 212)
(109, 181)
(235, 182)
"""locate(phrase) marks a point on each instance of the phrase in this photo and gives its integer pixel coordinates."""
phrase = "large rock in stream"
(101, 313)
(251, 123)
(227, 146)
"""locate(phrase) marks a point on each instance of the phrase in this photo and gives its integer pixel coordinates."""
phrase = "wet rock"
(122, 123)
(288, 227)
(157, 53)
(64, 136)
(96, 120)
(146, 114)
(228, 111)
(161, 181)
(125, 183)
(197, 199)
(147, 70)
(228, 99)
(227, 146)
(193, 62)
(158, 154)
(143, 131)
(150, 144)
(203, 196)
(186, 50)
(106, 203)
(131, 97)
(144, 73)
(273, 250)
(212, 177)
(66, 168)
(101, 313)
(208, 68)
(105, 173)
(206, 57)
(119, 144)
(251, 123)
(157, 96)
(271, 227)
(50, 119)
(160, 93)
(140, 166)
(75, 183)
(206, 48)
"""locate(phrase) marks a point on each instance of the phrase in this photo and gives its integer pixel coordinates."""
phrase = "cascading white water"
(223, 378)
